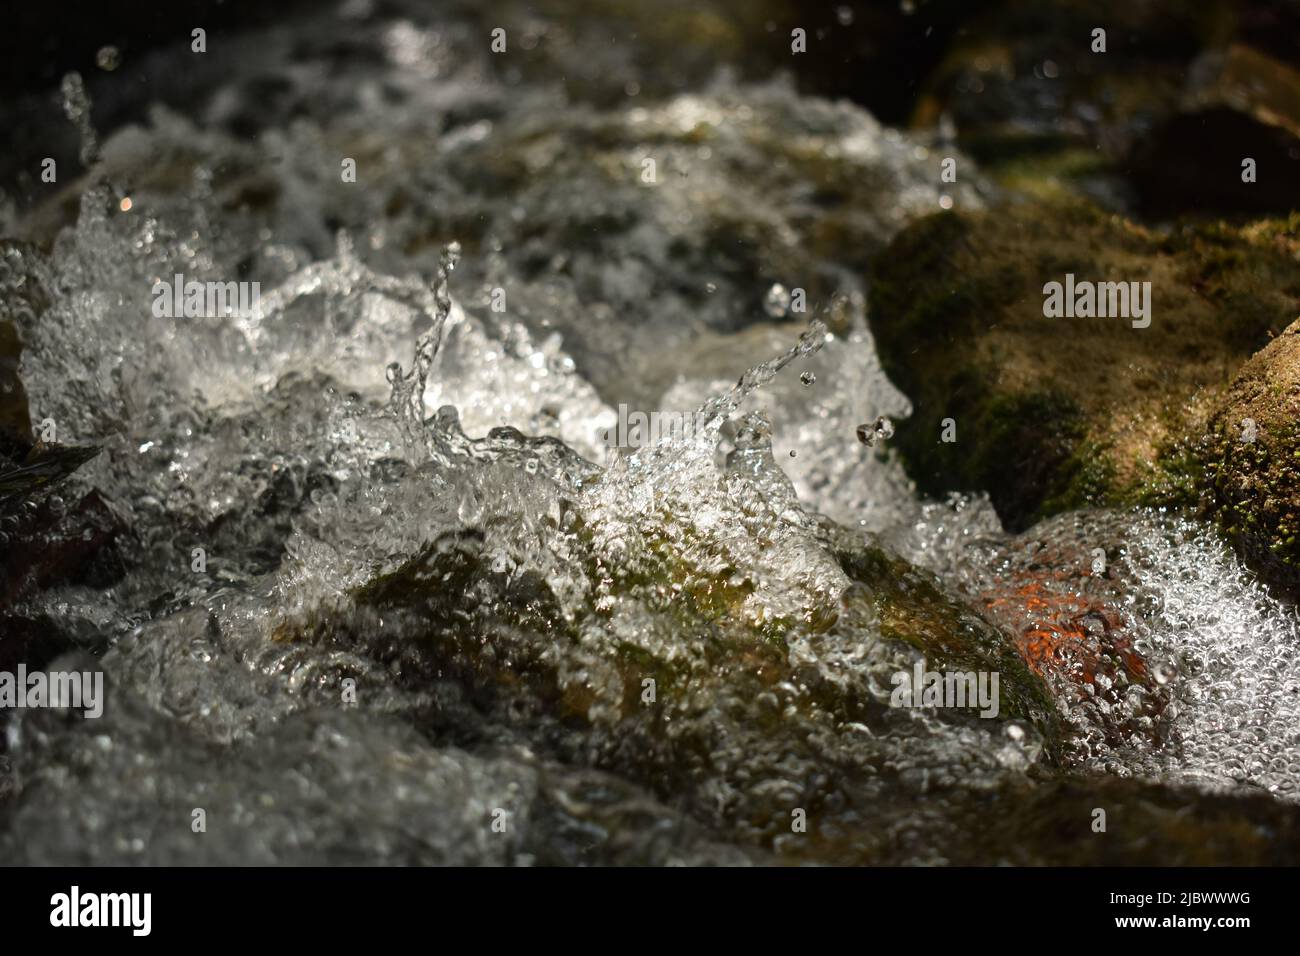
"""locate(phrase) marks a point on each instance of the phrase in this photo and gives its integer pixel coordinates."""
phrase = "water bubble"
(808, 378)
(844, 15)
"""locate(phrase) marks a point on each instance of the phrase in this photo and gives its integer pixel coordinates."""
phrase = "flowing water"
(383, 582)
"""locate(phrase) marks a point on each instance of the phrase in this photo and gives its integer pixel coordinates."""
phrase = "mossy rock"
(735, 707)
(1053, 414)
(453, 596)
(1252, 474)
(912, 606)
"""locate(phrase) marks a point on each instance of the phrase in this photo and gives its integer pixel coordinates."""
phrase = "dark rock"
(1239, 104)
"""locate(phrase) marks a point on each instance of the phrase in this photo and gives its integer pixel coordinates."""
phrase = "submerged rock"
(42, 467)
(1166, 656)
(723, 654)
(1051, 413)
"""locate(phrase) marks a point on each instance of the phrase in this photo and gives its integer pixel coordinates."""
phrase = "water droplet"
(451, 256)
(882, 429)
(808, 378)
(777, 301)
(109, 58)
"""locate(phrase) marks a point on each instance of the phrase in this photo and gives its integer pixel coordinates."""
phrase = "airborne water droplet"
(882, 429)
(808, 378)
(109, 58)
(777, 301)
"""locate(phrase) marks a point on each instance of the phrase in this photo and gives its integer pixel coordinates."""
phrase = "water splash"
(445, 537)
(407, 399)
(77, 106)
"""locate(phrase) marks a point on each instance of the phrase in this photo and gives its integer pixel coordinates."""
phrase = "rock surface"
(1054, 413)
(1252, 454)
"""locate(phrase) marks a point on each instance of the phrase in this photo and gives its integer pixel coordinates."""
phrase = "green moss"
(1058, 413)
(912, 608)
(1252, 488)
(1088, 476)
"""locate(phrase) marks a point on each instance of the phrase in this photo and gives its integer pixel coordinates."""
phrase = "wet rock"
(1138, 620)
(1252, 475)
(1064, 593)
(15, 420)
(22, 297)
(58, 541)
(1052, 823)
(1048, 414)
(660, 662)
(915, 608)
(46, 546)
(39, 469)
(1065, 607)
